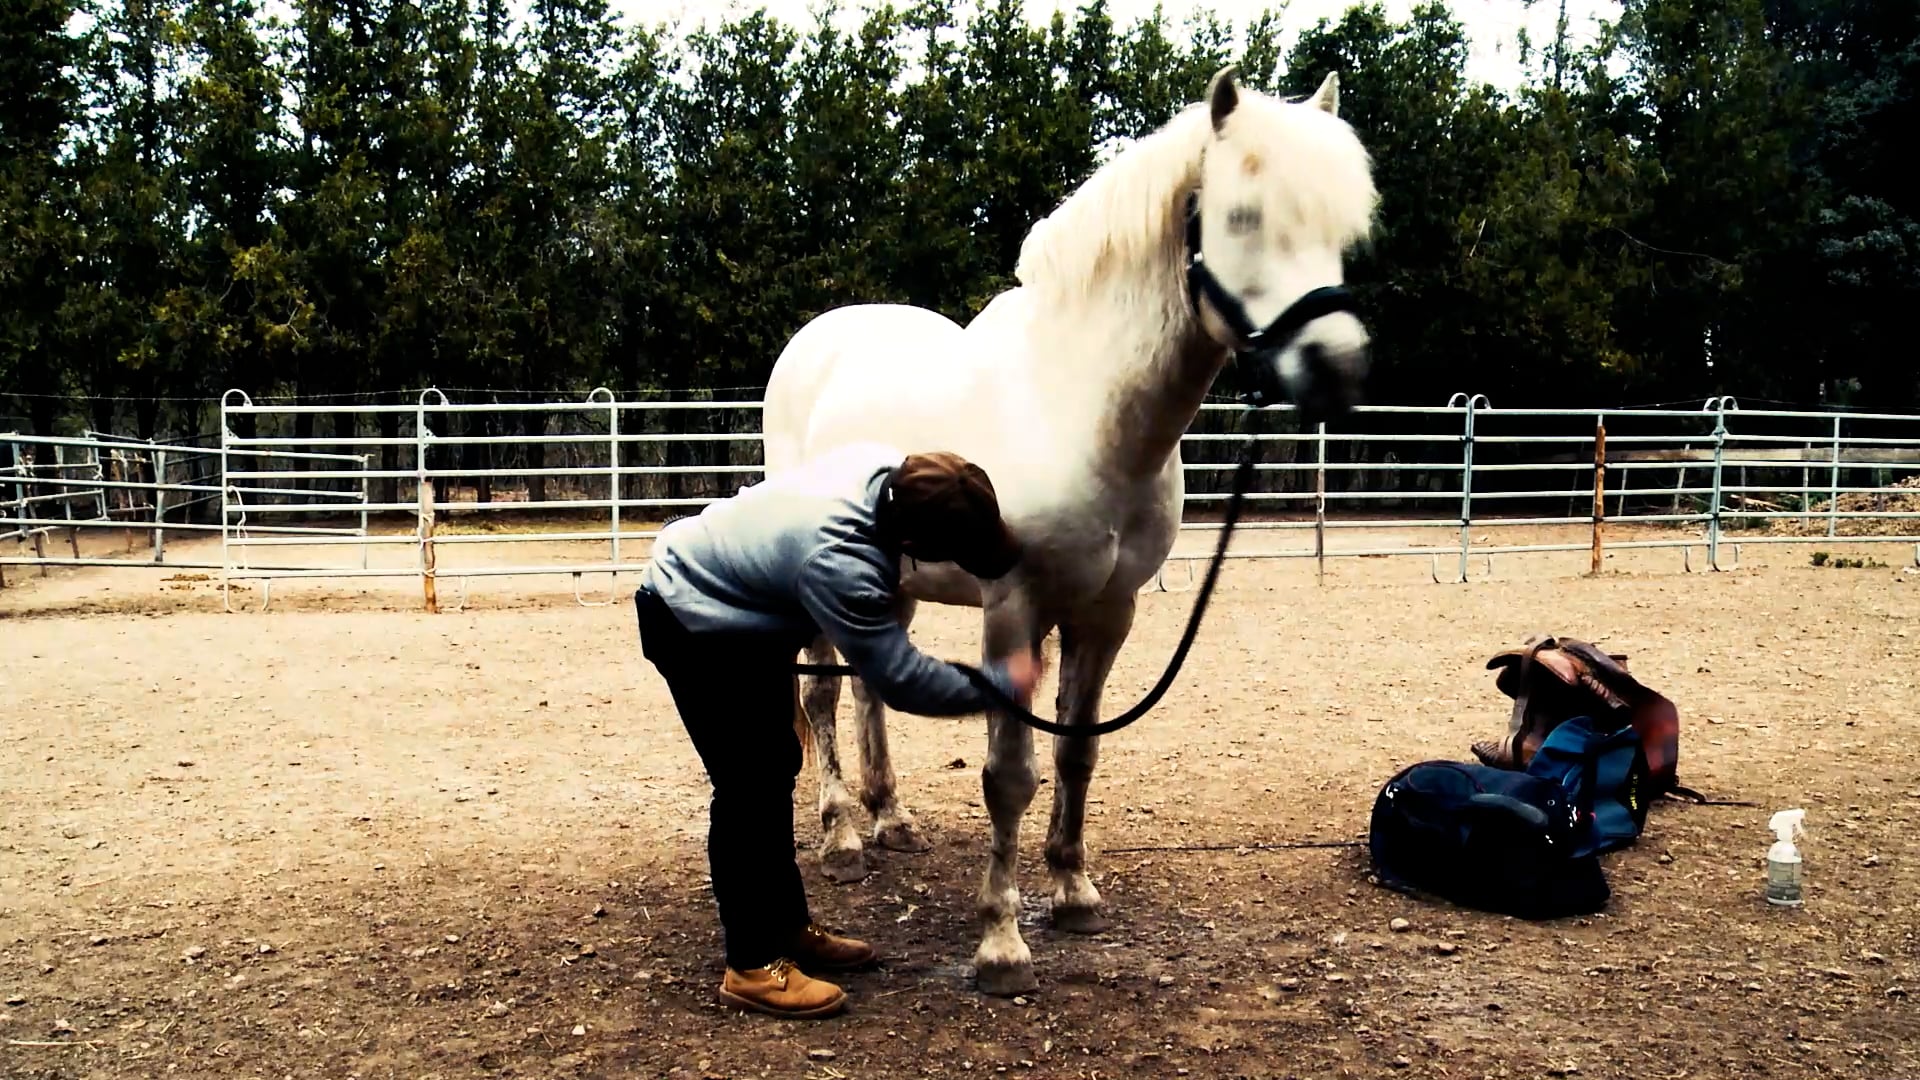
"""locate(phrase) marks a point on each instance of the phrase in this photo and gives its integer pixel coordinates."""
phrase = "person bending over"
(732, 595)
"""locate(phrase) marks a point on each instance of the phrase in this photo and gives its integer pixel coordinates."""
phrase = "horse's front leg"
(841, 859)
(1088, 644)
(1002, 963)
(893, 825)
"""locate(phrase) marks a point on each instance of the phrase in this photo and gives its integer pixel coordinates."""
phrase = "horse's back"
(891, 373)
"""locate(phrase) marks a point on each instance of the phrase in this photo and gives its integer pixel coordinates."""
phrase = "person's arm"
(851, 603)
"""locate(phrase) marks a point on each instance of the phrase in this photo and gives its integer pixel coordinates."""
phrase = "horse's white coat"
(1073, 391)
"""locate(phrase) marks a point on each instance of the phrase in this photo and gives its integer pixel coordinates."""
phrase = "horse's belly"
(915, 414)
(939, 583)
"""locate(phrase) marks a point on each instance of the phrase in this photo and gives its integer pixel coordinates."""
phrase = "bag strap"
(1680, 793)
(1526, 812)
(1613, 769)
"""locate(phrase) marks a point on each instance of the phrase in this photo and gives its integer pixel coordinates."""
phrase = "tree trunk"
(389, 487)
(44, 412)
(345, 426)
(534, 426)
(483, 455)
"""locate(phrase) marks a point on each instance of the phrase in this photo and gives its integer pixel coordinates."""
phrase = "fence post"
(423, 491)
(1719, 405)
(20, 513)
(66, 499)
(1833, 491)
(1320, 502)
(20, 486)
(129, 473)
(226, 496)
(159, 506)
(39, 534)
(99, 500)
(366, 491)
(1599, 489)
(1473, 401)
(613, 466)
(1806, 483)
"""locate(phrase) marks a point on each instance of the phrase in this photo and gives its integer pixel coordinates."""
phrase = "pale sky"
(1491, 25)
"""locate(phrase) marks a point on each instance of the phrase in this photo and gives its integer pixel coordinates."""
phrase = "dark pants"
(735, 694)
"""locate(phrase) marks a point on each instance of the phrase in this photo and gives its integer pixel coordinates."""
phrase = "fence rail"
(605, 473)
(102, 482)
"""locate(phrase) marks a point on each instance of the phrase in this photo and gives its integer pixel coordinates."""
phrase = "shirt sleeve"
(852, 603)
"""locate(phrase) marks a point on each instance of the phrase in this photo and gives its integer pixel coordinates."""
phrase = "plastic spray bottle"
(1783, 859)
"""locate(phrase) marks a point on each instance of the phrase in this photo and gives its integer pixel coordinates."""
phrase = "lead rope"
(1242, 479)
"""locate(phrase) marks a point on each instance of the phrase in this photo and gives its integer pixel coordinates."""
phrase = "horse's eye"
(1243, 219)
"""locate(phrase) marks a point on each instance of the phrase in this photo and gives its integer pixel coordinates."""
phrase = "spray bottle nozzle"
(1786, 825)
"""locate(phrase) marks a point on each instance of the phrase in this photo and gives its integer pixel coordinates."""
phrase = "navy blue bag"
(1606, 777)
(1494, 839)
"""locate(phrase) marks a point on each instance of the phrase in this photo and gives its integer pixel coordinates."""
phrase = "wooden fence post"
(1599, 489)
(1320, 504)
(426, 547)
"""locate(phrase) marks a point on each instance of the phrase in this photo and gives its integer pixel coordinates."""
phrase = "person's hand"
(1024, 670)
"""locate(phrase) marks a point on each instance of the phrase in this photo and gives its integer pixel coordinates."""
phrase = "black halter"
(1262, 382)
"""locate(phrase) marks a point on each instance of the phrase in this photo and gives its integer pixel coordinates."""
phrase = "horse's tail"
(818, 651)
(802, 726)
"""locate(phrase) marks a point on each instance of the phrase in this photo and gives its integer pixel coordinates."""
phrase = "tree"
(1714, 110)
(39, 100)
(240, 311)
(371, 194)
(1860, 64)
(132, 215)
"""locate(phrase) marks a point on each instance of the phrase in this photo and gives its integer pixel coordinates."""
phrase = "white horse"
(1073, 391)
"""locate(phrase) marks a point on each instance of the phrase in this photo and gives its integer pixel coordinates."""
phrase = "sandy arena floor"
(345, 838)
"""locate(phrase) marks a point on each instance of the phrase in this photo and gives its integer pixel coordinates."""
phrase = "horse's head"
(1285, 189)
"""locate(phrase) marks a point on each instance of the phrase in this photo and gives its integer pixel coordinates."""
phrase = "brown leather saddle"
(1552, 679)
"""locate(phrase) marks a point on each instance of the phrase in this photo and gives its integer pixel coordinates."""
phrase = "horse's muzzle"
(1328, 385)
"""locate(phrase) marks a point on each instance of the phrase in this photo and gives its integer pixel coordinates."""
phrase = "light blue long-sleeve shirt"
(798, 554)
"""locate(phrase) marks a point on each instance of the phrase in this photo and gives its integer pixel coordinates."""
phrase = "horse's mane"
(1129, 212)
(1122, 213)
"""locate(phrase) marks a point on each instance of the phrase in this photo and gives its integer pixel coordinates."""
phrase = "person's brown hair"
(944, 507)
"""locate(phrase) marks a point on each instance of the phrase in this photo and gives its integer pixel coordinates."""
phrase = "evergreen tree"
(39, 107)
(374, 194)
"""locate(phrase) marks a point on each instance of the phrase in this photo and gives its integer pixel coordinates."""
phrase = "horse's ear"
(1327, 98)
(1222, 95)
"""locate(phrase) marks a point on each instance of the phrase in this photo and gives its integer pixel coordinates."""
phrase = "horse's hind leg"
(893, 824)
(840, 856)
(1088, 645)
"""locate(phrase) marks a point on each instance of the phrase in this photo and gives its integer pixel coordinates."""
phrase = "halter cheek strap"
(1263, 383)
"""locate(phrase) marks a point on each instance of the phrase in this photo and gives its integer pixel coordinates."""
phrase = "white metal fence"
(396, 490)
(98, 482)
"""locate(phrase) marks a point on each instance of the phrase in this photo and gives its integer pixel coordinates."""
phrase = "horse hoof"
(901, 836)
(1006, 980)
(1079, 920)
(844, 866)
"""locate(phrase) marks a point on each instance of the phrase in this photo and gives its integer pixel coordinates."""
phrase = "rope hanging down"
(1242, 479)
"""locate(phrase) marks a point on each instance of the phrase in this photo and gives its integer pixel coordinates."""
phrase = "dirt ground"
(345, 838)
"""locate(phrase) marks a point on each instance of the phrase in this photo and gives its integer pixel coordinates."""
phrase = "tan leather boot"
(818, 950)
(781, 989)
